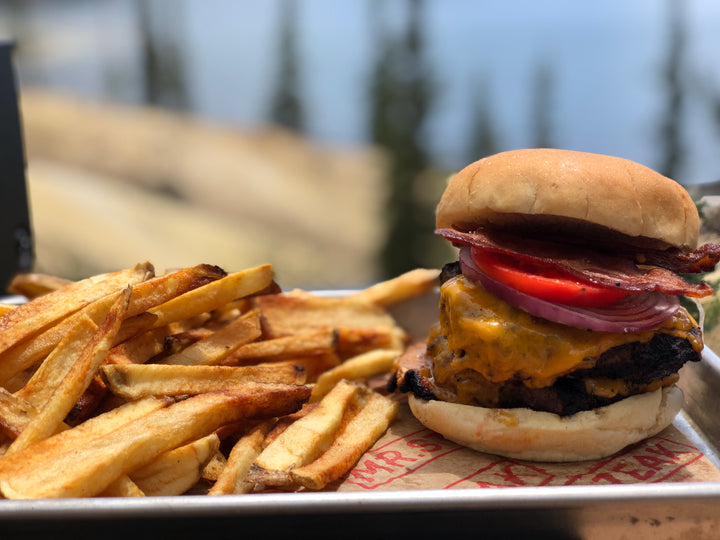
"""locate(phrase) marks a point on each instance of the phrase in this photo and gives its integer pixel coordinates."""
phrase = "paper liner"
(410, 456)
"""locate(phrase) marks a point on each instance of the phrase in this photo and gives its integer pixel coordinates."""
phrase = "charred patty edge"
(639, 364)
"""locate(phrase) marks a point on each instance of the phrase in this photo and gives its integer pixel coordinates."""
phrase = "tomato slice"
(544, 281)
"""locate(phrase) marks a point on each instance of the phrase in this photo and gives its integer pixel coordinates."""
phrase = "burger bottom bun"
(541, 436)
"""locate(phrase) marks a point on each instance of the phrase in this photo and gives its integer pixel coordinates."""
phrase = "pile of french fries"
(193, 381)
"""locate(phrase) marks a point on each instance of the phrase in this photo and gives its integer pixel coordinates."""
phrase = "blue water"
(605, 59)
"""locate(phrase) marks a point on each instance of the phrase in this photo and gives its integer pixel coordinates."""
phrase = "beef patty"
(636, 365)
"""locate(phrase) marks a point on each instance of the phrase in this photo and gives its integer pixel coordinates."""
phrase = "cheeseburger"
(561, 332)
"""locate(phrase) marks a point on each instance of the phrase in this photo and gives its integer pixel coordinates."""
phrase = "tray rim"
(356, 503)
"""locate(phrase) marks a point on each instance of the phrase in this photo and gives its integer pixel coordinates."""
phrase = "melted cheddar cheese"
(499, 341)
(610, 388)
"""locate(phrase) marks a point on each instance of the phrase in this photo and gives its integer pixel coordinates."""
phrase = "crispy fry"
(58, 364)
(93, 467)
(34, 284)
(233, 477)
(51, 414)
(403, 287)
(122, 487)
(305, 439)
(17, 381)
(164, 288)
(15, 413)
(281, 424)
(88, 402)
(176, 471)
(215, 294)
(357, 436)
(179, 341)
(314, 365)
(68, 440)
(355, 341)
(37, 315)
(360, 325)
(139, 380)
(365, 365)
(144, 345)
(298, 312)
(212, 469)
(268, 350)
(5, 308)
(145, 294)
(134, 325)
(139, 349)
(125, 383)
(215, 347)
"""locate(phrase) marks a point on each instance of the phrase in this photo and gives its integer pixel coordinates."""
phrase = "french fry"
(88, 402)
(51, 414)
(314, 365)
(146, 294)
(231, 310)
(355, 341)
(214, 348)
(144, 345)
(403, 287)
(15, 413)
(34, 284)
(362, 366)
(214, 295)
(122, 487)
(233, 477)
(134, 325)
(212, 469)
(298, 312)
(135, 381)
(140, 348)
(281, 424)
(175, 343)
(37, 315)
(124, 384)
(305, 439)
(77, 437)
(91, 468)
(360, 325)
(268, 350)
(6, 308)
(357, 436)
(17, 381)
(48, 377)
(176, 471)
(162, 289)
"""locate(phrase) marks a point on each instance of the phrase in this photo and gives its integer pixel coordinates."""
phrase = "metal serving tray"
(664, 510)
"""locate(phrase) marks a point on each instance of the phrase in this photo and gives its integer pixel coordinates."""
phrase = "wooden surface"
(110, 186)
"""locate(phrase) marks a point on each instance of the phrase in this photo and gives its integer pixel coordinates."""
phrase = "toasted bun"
(541, 436)
(567, 189)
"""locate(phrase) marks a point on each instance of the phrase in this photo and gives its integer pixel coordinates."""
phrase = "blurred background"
(318, 134)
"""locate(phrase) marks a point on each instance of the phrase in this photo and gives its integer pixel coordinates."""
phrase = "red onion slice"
(633, 313)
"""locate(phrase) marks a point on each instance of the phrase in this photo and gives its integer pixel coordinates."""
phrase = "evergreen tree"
(483, 135)
(160, 57)
(542, 106)
(401, 97)
(670, 129)
(286, 108)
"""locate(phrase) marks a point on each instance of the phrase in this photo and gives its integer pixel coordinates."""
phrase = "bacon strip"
(607, 270)
(703, 259)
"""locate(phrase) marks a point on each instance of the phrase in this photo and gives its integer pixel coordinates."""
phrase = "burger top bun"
(594, 193)
(541, 436)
